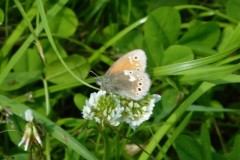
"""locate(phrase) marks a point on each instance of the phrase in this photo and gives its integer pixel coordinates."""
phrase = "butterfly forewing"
(134, 60)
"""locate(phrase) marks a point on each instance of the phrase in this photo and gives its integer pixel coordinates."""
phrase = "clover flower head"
(136, 112)
(113, 109)
(103, 108)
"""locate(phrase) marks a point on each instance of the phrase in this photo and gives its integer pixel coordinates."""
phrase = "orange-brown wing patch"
(124, 64)
(134, 60)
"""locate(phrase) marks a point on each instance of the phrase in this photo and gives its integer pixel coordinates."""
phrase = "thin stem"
(220, 136)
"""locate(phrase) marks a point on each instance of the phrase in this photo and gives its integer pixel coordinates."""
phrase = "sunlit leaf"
(65, 23)
(57, 73)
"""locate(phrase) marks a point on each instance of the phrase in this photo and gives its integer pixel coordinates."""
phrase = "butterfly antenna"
(94, 74)
(98, 78)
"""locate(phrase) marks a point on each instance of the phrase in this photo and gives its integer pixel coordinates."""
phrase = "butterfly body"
(127, 76)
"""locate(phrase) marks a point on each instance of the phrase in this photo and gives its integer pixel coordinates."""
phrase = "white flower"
(36, 135)
(28, 115)
(137, 112)
(102, 107)
(26, 138)
(30, 131)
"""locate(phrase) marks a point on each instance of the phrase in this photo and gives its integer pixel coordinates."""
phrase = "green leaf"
(70, 122)
(231, 40)
(80, 100)
(69, 154)
(161, 30)
(30, 61)
(233, 9)
(226, 35)
(57, 73)
(132, 40)
(110, 31)
(20, 156)
(65, 23)
(48, 51)
(202, 51)
(16, 128)
(235, 154)
(177, 54)
(1, 16)
(169, 101)
(154, 50)
(164, 24)
(216, 156)
(188, 148)
(107, 33)
(205, 141)
(17, 80)
(206, 34)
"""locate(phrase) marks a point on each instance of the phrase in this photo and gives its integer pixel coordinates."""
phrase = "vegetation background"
(48, 49)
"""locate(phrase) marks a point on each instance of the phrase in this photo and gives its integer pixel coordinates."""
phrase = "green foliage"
(48, 49)
(56, 73)
(1, 16)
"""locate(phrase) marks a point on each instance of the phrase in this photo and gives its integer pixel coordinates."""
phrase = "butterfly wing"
(133, 84)
(127, 76)
(133, 60)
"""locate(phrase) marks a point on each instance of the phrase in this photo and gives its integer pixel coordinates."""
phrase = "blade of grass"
(98, 5)
(175, 68)
(25, 17)
(13, 38)
(52, 89)
(198, 108)
(232, 78)
(51, 13)
(175, 134)
(174, 117)
(46, 93)
(50, 38)
(208, 73)
(56, 132)
(205, 141)
(6, 20)
(227, 48)
(215, 12)
(170, 122)
(28, 21)
(115, 38)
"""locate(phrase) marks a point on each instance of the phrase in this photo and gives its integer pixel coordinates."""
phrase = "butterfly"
(127, 76)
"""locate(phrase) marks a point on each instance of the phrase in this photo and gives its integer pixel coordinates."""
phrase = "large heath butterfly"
(127, 76)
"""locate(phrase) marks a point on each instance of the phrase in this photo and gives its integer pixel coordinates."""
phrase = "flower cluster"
(30, 133)
(109, 108)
